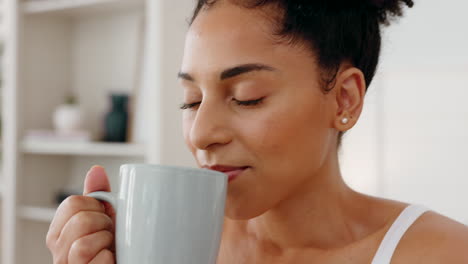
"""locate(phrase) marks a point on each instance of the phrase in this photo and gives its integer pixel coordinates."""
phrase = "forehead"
(242, 22)
(227, 34)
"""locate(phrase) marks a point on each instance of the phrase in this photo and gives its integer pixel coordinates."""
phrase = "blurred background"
(87, 82)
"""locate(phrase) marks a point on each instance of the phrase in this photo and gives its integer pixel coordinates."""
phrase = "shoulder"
(433, 238)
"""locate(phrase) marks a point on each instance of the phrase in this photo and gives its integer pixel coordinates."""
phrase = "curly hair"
(336, 31)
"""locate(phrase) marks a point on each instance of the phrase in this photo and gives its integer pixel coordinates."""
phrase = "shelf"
(83, 149)
(73, 8)
(41, 214)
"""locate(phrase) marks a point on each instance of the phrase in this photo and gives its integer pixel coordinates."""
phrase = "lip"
(231, 171)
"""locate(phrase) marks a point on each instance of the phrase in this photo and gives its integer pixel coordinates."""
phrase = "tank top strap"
(393, 236)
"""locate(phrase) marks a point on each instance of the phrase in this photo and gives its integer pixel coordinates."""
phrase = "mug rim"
(160, 167)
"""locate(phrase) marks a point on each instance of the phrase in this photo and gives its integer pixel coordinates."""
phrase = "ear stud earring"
(344, 121)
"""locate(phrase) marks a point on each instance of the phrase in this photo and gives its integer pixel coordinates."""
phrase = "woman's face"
(255, 103)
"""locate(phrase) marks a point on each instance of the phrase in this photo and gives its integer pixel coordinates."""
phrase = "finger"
(82, 224)
(67, 209)
(104, 257)
(86, 248)
(96, 180)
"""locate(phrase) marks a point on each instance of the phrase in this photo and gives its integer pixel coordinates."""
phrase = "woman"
(270, 88)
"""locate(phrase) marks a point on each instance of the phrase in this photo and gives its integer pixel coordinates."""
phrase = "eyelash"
(241, 103)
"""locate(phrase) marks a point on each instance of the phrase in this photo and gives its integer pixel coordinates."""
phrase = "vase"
(116, 120)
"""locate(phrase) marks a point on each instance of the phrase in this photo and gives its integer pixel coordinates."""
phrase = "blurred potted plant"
(67, 116)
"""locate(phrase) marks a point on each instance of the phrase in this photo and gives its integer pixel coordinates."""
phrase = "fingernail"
(95, 166)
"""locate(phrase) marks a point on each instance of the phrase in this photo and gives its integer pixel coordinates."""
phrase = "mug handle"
(104, 196)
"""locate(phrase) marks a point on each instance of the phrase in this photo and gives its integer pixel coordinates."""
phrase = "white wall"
(173, 146)
(46, 72)
(432, 33)
(104, 58)
(416, 113)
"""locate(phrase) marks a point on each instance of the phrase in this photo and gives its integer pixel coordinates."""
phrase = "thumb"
(96, 180)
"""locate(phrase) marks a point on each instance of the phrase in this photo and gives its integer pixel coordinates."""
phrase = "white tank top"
(388, 245)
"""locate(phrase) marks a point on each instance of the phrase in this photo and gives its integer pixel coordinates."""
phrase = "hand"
(82, 231)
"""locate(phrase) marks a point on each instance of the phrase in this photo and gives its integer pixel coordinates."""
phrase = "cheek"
(298, 133)
(273, 134)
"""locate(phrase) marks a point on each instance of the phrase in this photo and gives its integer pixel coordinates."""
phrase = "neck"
(323, 213)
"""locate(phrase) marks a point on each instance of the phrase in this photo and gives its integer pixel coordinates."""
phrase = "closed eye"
(189, 106)
(250, 102)
(242, 103)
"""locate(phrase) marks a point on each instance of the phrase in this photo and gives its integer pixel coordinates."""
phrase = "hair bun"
(388, 9)
(385, 10)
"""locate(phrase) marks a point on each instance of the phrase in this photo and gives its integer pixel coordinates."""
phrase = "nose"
(210, 126)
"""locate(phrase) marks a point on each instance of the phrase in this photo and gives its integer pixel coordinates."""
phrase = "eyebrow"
(233, 72)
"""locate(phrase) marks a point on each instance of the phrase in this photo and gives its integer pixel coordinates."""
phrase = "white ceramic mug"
(167, 215)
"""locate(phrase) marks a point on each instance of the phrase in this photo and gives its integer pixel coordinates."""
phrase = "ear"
(350, 90)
